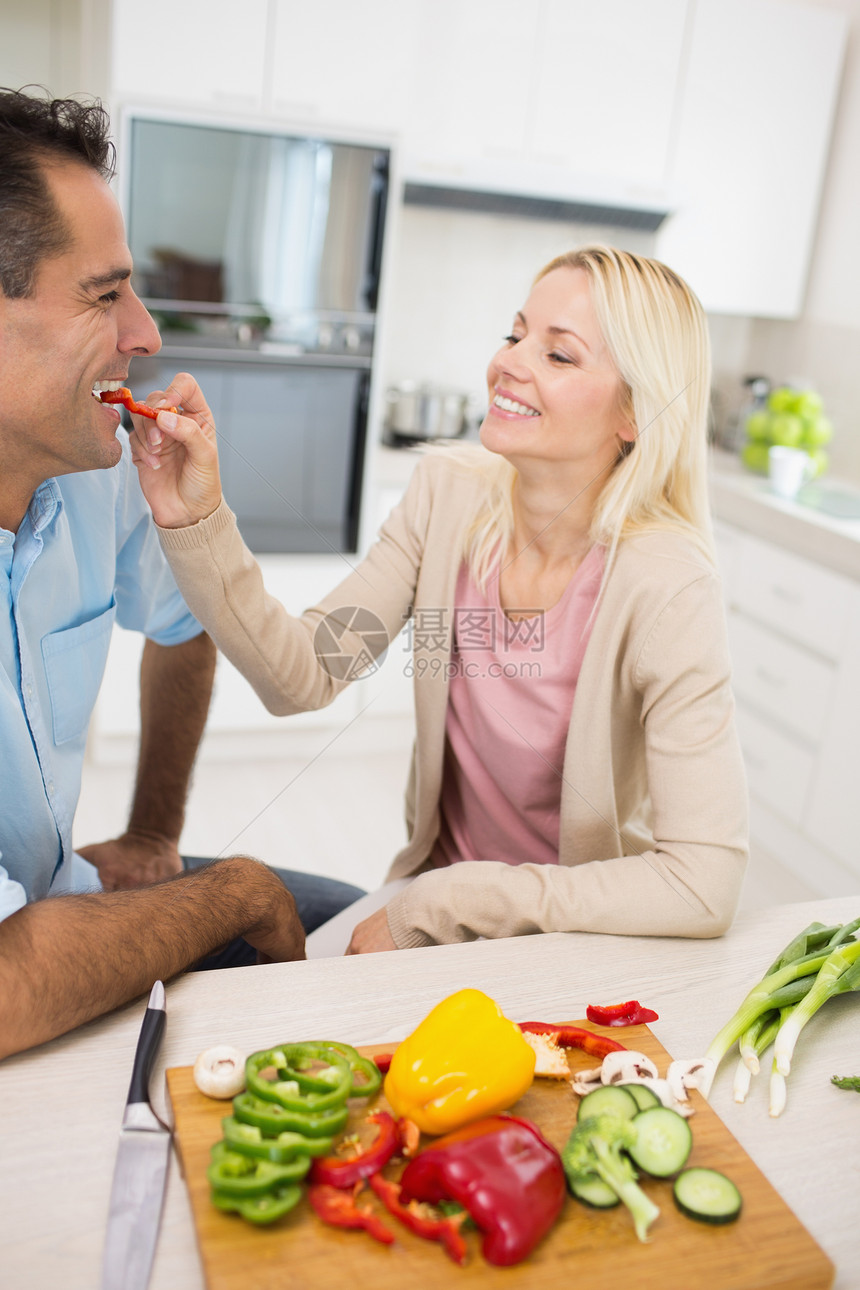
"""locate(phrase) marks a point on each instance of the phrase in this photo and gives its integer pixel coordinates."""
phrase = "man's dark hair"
(35, 133)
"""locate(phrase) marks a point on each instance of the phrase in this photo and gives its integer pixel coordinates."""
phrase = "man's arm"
(68, 959)
(175, 689)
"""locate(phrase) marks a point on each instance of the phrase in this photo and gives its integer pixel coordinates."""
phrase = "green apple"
(783, 399)
(758, 427)
(820, 461)
(817, 430)
(786, 429)
(754, 457)
(808, 403)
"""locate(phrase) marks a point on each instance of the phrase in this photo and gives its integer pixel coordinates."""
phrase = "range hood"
(533, 191)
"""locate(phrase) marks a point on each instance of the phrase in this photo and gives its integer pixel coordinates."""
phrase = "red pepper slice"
(344, 1172)
(445, 1230)
(574, 1037)
(123, 396)
(410, 1137)
(338, 1209)
(630, 1013)
(383, 1061)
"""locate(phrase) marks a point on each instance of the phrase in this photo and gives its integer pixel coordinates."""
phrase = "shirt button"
(28, 690)
(50, 788)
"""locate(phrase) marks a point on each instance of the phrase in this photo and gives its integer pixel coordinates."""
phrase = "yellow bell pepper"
(464, 1061)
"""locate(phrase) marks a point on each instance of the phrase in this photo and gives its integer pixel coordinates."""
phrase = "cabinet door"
(606, 79)
(752, 135)
(196, 52)
(833, 815)
(470, 85)
(346, 65)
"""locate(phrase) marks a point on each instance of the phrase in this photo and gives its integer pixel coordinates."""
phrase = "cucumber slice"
(593, 1191)
(644, 1096)
(663, 1142)
(707, 1196)
(610, 1099)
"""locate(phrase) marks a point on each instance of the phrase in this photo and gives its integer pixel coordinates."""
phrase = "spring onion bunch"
(816, 965)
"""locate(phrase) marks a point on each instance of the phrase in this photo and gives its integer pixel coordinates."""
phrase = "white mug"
(788, 469)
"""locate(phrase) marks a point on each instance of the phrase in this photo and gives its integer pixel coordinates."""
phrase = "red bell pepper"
(383, 1061)
(124, 396)
(445, 1230)
(574, 1037)
(630, 1013)
(505, 1175)
(339, 1209)
(346, 1171)
(410, 1137)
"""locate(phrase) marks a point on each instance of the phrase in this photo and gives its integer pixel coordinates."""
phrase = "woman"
(576, 764)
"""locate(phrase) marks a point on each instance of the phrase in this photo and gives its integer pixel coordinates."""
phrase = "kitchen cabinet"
(200, 53)
(794, 636)
(753, 125)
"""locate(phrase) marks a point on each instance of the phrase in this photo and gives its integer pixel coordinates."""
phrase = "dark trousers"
(317, 900)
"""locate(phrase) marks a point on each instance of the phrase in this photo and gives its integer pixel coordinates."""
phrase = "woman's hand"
(177, 456)
(372, 936)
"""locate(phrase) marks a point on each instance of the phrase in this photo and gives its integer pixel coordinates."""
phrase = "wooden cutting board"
(766, 1249)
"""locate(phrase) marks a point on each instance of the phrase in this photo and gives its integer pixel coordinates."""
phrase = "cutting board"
(766, 1249)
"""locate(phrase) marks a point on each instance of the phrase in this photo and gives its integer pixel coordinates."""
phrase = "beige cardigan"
(653, 829)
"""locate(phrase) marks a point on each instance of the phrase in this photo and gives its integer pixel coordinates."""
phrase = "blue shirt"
(86, 555)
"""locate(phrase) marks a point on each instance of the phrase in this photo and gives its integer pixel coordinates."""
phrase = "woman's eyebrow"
(568, 331)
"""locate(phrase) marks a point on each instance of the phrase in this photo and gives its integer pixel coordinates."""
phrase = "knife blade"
(140, 1171)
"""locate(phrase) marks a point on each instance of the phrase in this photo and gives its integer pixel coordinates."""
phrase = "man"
(77, 550)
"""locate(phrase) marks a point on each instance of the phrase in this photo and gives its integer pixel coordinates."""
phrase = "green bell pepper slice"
(267, 1208)
(249, 1140)
(294, 1087)
(366, 1075)
(237, 1175)
(273, 1119)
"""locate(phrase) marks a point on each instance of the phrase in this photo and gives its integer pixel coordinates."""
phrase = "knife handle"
(154, 1020)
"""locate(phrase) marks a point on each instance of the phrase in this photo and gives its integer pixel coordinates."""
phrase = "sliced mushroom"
(584, 1081)
(694, 1072)
(663, 1090)
(220, 1072)
(627, 1067)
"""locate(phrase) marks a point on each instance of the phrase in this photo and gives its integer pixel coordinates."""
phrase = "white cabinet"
(794, 635)
(753, 127)
(605, 83)
(342, 65)
(203, 53)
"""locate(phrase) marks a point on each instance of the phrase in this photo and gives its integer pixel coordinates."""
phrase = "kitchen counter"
(741, 498)
(61, 1104)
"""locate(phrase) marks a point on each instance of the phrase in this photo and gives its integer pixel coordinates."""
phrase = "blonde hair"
(656, 333)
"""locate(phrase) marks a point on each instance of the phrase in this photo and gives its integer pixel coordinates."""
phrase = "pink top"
(509, 705)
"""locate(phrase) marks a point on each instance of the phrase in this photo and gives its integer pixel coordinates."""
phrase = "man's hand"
(372, 935)
(177, 457)
(133, 860)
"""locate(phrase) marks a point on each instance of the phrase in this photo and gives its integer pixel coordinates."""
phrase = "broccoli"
(594, 1147)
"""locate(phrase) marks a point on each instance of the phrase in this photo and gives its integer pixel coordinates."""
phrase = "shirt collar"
(45, 505)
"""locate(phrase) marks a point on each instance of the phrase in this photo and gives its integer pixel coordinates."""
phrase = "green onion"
(839, 974)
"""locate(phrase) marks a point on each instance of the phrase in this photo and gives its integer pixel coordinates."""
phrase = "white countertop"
(61, 1104)
(744, 499)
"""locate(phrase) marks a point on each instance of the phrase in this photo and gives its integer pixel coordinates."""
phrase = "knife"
(140, 1172)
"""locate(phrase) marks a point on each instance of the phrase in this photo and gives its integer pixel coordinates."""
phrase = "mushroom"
(691, 1072)
(220, 1072)
(584, 1081)
(627, 1067)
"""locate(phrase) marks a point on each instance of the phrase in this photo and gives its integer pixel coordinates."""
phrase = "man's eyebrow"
(100, 280)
